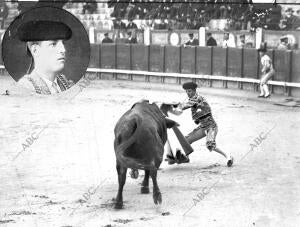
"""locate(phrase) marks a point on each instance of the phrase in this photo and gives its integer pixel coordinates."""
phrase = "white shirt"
(266, 61)
(53, 86)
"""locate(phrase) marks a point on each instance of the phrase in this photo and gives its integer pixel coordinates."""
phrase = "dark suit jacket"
(131, 26)
(211, 42)
(107, 40)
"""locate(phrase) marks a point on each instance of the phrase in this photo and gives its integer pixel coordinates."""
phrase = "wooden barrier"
(204, 60)
(234, 65)
(123, 56)
(95, 56)
(219, 61)
(157, 57)
(172, 63)
(204, 64)
(217, 67)
(140, 60)
(140, 57)
(282, 60)
(172, 59)
(250, 67)
(108, 56)
(295, 74)
(188, 59)
(195, 76)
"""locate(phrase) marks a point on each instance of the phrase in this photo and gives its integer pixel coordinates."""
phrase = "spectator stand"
(117, 35)
(273, 38)
(171, 37)
(97, 17)
(249, 37)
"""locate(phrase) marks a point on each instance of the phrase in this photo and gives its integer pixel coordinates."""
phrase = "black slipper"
(170, 159)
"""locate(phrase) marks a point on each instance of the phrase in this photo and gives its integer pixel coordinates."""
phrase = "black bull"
(140, 136)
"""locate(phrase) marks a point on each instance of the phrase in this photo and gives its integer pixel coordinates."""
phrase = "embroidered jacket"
(35, 83)
(201, 111)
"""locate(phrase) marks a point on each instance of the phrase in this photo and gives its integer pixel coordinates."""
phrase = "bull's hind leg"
(145, 183)
(156, 193)
(122, 179)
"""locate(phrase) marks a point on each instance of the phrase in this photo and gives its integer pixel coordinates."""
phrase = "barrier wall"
(140, 57)
(172, 62)
(295, 74)
(188, 60)
(108, 56)
(215, 61)
(282, 65)
(157, 56)
(95, 56)
(234, 65)
(220, 66)
(204, 60)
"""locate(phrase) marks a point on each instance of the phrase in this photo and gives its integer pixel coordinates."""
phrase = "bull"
(140, 136)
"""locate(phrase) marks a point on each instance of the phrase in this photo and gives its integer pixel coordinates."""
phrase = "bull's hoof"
(134, 173)
(157, 197)
(118, 205)
(145, 190)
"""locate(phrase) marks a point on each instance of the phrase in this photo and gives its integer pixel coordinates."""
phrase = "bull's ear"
(170, 123)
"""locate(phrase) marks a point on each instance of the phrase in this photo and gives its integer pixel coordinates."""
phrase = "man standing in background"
(192, 41)
(210, 40)
(107, 39)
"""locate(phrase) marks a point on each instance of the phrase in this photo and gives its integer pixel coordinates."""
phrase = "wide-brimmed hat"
(45, 23)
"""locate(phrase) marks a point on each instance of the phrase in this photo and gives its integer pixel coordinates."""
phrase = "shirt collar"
(48, 82)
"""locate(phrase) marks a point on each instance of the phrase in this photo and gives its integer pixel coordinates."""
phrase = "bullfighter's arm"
(182, 106)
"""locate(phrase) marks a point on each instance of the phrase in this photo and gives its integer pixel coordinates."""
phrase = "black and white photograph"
(149, 113)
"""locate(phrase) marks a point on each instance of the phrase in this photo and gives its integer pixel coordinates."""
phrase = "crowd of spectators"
(3, 13)
(173, 14)
(185, 14)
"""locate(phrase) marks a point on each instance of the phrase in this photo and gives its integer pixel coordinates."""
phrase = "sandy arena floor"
(69, 158)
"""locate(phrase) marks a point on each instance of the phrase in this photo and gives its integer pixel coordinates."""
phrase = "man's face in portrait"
(49, 55)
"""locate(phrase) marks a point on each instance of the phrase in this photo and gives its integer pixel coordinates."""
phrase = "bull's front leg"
(122, 179)
(145, 183)
(156, 193)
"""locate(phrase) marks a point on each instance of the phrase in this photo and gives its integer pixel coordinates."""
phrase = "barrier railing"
(214, 66)
(208, 77)
(182, 75)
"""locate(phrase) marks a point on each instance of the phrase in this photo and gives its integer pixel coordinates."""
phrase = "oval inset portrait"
(46, 50)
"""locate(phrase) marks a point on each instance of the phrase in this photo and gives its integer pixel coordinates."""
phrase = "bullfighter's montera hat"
(189, 85)
(39, 30)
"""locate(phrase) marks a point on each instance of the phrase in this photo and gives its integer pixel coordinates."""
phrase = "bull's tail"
(120, 149)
